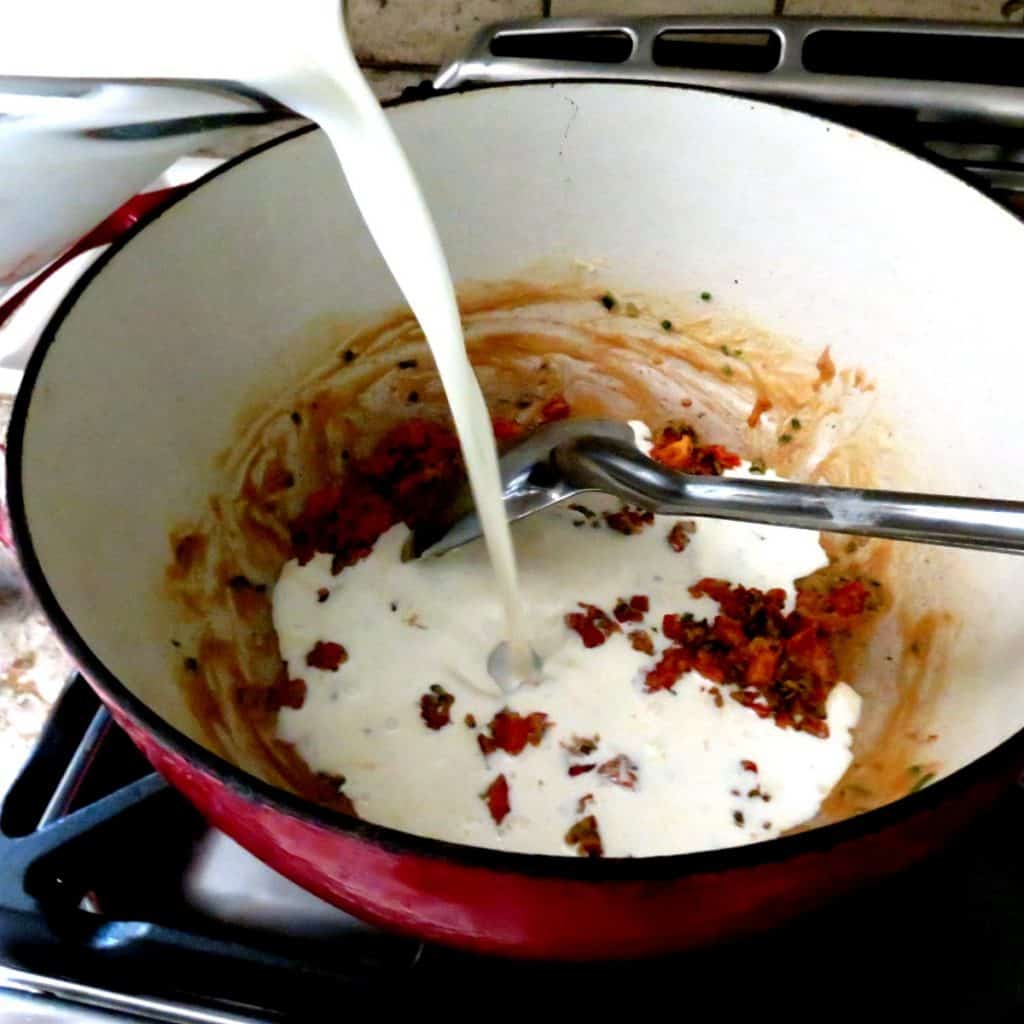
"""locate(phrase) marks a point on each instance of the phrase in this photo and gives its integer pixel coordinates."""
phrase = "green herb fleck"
(632, 309)
(758, 466)
(705, 296)
(666, 325)
(608, 301)
(795, 423)
(191, 665)
(727, 370)
(785, 438)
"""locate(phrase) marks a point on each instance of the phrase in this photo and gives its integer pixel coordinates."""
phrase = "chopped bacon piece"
(410, 476)
(742, 603)
(327, 656)
(580, 769)
(343, 521)
(496, 798)
(679, 535)
(284, 693)
(763, 657)
(623, 613)
(418, 465)
(632, 610)
(685, 629)
(810, 652)
(677, 448)
(511, 731)
(584, 835)
(505, 429)
(783, 665)
(641, 641)
(556, 408)
(581, 804)
(620, 770)
(748, 765)
(834, 610)
(750, 700)
(593, 625)
(711, 664)
(674, 663)
(629, 520)
(675, 454)
(728, 631)
(436, 707)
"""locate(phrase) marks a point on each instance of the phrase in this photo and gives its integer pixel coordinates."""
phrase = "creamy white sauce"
(363, 721)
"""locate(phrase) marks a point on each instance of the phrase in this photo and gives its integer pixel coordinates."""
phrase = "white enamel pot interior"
(808, 228)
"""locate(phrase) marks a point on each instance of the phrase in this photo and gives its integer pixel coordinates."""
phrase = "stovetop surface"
(128, 890)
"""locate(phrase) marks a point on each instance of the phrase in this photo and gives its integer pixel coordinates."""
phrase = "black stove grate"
(91, 907)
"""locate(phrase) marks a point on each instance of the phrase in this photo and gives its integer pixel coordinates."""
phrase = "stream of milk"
(298, 53)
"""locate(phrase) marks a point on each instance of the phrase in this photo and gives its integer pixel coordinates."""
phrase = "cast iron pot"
(809, 228)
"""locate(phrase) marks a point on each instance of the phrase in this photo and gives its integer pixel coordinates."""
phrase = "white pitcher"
(97, 97)
(72, 151)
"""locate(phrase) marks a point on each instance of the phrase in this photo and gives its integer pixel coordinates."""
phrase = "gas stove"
(117, 902)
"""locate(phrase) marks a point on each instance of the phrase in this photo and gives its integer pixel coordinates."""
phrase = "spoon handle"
(619, 468)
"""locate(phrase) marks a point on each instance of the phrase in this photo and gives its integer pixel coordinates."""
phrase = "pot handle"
(107, 231)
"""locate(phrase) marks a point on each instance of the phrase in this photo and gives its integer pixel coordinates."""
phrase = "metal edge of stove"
(940, 107)
(34, 999)
(789, 79)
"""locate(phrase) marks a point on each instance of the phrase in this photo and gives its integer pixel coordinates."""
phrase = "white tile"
(425, 31)
(932, 10)
(580, 8)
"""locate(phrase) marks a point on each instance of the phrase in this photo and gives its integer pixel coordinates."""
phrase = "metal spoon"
(563, 460)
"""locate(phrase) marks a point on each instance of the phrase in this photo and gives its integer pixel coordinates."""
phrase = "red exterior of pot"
(532, 914)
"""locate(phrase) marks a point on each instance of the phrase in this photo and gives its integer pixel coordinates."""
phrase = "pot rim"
(249, 787)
